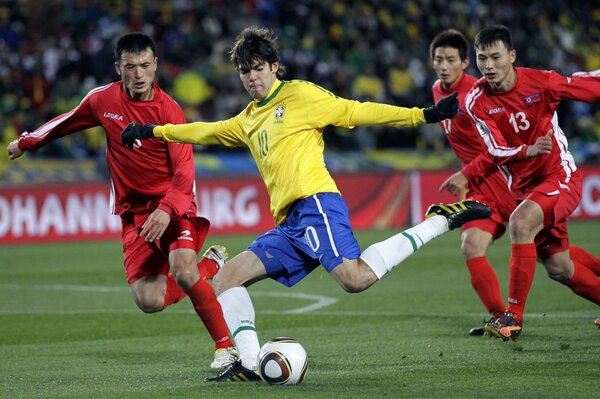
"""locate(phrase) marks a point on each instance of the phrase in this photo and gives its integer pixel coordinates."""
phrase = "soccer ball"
(282, 361)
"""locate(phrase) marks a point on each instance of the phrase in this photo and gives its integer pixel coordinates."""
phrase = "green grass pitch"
(69, 329)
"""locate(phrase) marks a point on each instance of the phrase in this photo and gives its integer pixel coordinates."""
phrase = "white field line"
(319, 302)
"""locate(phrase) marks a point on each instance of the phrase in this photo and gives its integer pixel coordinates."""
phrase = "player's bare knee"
(358, 281)
(186, 275)
(224, 280)
(149, 303)
(558, 271)
(354, 285)
(522, 228)
(354, 275)
(471, 248)
(561, 277)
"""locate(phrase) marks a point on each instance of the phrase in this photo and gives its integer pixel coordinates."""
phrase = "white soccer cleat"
(218, 253)
(225, 357)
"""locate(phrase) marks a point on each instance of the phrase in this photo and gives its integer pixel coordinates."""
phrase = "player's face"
(137, 70)
(495, 63)
(259, 79)
(448, 66)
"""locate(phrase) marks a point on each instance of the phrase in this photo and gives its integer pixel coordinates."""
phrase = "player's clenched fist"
(446, 108)
(135, 131)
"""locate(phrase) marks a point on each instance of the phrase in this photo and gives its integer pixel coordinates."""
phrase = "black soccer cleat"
(235, 373)
(460, 212)
(476, 331)
(480, 330)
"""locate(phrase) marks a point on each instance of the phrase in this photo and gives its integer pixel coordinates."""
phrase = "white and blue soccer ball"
(282, 361)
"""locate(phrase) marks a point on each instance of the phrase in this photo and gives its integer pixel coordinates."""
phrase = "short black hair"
(255, 44)
(492, 34)
(450, 38)
(135, 43)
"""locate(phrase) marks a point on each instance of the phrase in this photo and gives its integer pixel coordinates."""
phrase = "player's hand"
(135, 131)
(13, 150)
(446, 108)
(155, 226)
(454, 184)
(542, 146)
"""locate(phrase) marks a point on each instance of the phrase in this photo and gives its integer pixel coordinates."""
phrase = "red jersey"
(511, 121)
(152, 174)
(470, 149)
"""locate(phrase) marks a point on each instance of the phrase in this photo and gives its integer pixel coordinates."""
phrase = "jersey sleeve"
(227, 132)
(180, 194)
(480, 167)
(80, 118)
(324, 108)
(580, 87)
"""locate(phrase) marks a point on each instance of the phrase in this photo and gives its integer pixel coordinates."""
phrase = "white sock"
(239, 316)
(385, 255)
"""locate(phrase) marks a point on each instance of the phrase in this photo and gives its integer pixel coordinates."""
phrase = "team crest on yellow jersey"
(279, 111)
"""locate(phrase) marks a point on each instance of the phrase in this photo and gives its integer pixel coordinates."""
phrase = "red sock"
(588, 260)
(522, 270)
(208, 308)
(584, 283)
(485, 282)
(207, 268)
(174, 293)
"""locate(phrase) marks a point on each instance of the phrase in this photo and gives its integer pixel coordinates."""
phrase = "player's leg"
(587, 259)
(553, 249)
(238, 309)
(146, 269)
(209, 264)
(383, 256)
(540, 218)
(182, 240)
(525, 222)
(574, 275)
(475, 242)
(282, 255)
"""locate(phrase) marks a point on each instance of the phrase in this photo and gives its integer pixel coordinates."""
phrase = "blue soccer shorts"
(316, 231)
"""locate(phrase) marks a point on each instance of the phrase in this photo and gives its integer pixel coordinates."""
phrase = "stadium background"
(53, 52)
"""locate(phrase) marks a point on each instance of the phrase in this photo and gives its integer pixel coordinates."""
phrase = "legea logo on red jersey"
(113, 116)
(495, 111)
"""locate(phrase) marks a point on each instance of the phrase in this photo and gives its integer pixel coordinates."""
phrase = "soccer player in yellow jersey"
(283, 128)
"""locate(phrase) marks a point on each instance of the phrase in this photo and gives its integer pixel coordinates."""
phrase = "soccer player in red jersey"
(449, 51)
(514, 112)
(152, 190)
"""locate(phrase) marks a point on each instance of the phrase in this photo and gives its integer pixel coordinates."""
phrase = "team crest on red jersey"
(532, 98)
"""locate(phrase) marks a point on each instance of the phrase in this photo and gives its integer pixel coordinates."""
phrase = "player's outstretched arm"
(446, 108)
(135, 131)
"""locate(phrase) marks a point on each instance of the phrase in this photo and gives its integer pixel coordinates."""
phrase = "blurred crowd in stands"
(53, 52)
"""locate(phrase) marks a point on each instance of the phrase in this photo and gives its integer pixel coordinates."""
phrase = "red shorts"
(558, 201)
(143, 258)
(493, 192)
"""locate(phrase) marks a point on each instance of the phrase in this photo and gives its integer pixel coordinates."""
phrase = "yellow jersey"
(284, 133)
